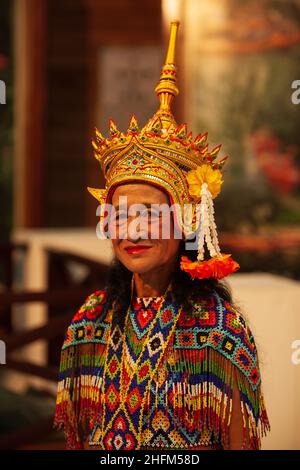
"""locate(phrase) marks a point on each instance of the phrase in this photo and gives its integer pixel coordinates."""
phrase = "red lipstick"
(136, 249)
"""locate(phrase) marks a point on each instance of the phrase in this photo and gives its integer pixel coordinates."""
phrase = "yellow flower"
(204, 174)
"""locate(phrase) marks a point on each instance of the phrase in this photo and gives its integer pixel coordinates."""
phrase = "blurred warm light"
(171, 10)
(205, 21)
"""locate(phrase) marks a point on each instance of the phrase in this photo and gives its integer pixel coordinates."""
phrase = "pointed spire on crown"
(166, 88)
(114, 132)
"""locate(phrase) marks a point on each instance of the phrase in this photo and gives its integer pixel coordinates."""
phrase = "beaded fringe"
(198, 396)
(79, 401)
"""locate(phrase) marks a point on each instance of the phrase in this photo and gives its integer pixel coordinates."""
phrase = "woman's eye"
(147, 214)
(121, 216)
(154, 214)
(150, 214)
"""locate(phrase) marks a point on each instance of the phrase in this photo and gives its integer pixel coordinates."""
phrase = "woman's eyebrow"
(146, 204)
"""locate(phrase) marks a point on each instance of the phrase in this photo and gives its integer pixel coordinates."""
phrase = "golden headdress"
(165, 155)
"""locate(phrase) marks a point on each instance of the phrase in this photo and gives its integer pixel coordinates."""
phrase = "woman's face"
(161, 249)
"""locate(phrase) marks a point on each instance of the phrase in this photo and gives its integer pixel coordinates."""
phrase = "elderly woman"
(160, 358)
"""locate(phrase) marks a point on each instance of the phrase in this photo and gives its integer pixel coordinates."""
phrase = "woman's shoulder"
(92, 307)
(91, 321)
(213, 311)
(217, 323)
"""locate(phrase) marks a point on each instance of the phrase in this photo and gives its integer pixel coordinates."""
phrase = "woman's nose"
(137, 229)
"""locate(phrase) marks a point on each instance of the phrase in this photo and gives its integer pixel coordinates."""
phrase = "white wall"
(272, 306)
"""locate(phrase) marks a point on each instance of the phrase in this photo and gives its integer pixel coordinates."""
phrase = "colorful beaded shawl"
(166, 383)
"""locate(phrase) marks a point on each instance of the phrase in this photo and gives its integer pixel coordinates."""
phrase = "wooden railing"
(62, 299)
(6, 278)
(54, 327)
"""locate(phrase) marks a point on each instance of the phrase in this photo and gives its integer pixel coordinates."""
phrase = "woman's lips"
(137, 249)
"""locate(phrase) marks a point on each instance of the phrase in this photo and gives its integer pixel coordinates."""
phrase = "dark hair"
(184, 288)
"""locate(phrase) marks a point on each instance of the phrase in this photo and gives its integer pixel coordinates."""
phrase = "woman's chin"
(139, 265)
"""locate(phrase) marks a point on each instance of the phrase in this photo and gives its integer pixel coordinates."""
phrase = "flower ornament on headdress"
(164, 154)
(204, 174)
(205, 183)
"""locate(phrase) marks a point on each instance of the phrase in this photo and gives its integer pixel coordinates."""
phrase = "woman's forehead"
(139, 193)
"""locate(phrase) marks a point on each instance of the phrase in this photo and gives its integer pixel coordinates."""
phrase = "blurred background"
(70, 65)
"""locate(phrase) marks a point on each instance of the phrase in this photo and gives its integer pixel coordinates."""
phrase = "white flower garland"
(208, 228)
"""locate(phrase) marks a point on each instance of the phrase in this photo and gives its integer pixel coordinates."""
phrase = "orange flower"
(217, 267)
